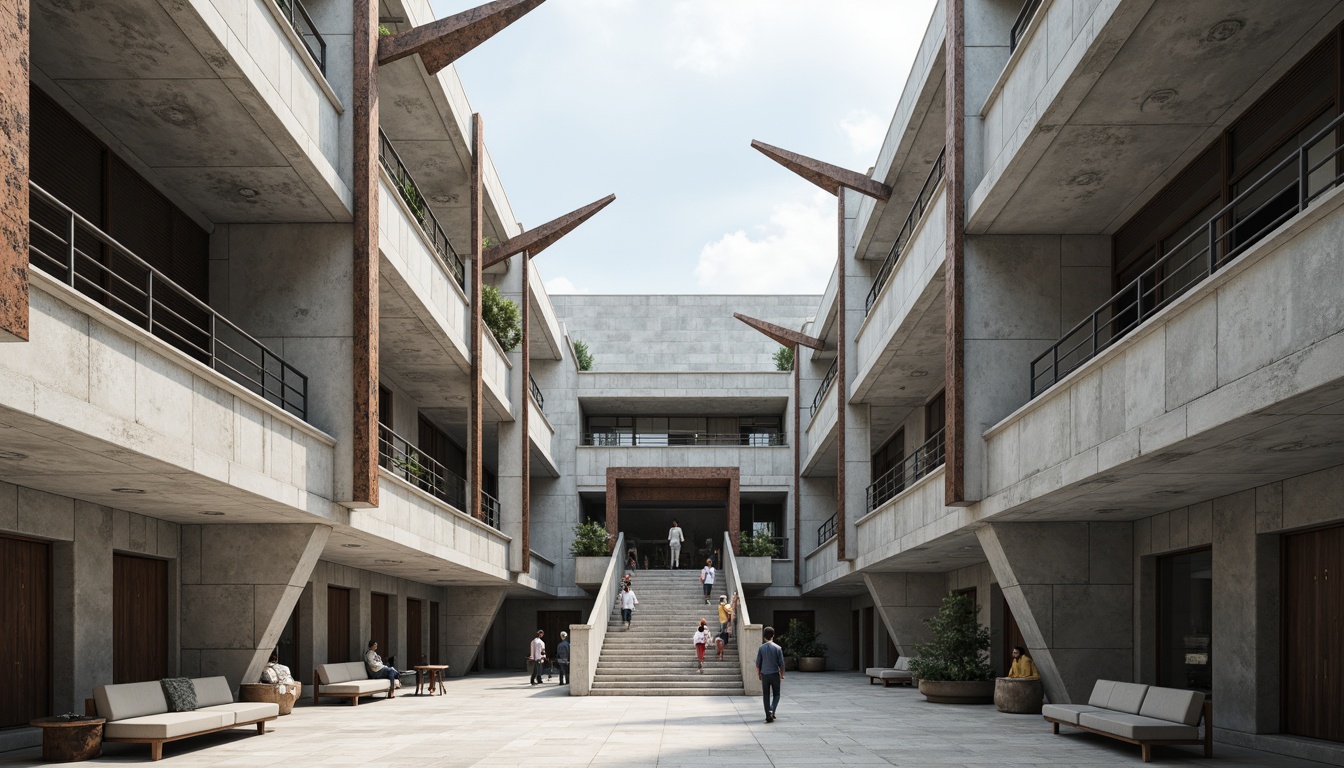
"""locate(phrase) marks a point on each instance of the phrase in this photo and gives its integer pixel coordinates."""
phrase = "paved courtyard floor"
(826, 719)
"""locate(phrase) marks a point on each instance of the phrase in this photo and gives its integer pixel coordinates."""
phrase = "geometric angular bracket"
(537, 239)
(443, 41)
(829, 177)
(786, 337)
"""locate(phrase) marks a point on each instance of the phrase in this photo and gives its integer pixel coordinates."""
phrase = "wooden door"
(869, 639)
(25, 630)
(139, 619)
(434, 653)
(378, 627)
(855, 643)
(892, 653)
(1313, 634)
(338, 625)
(554, 622)
(288, 646)
(415, 647)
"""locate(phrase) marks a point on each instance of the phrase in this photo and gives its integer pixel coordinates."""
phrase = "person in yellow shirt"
(1023, 666)
(725, 613)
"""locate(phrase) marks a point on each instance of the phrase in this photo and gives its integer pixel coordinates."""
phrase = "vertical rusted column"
(364, 480)
(841, 400)
(525, 259)
(475, 465)
(797, 469)
(735, 509)
(14, 170)
(954, 269)
(613, 506)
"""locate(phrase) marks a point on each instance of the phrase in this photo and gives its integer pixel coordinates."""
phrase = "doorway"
(139, 619)
(553, 623)
(338, 625)
(415, 646)
(1012, 636)
(1313, 634)
(25, 629)
(379, 626)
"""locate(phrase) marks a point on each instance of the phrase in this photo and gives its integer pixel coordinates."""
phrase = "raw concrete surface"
(825, 719)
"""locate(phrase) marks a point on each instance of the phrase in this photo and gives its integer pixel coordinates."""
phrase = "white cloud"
(561, 285)
(865, 131)
(793, 253)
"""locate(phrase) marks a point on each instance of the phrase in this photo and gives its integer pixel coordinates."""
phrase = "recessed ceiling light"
(1109, 511)
(247, 192)
(433, 570)
(918, 374)
(213, 513)
(932, 562)
(1224, 30)
(388, 562)
(352, 546)
(12, 455)
(127, 490)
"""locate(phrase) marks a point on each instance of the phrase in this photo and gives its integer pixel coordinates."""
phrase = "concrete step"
(700, 682)
(652, 691)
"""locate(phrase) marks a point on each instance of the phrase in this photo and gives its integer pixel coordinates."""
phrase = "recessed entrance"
(642, 502)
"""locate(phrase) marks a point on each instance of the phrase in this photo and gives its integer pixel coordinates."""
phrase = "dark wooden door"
(139, 619)
(288, 646)
(855, 643)
(415, 646)
(338, 625)
(378, 626)
(25, 630)
(553, 623)
(1313, 634)
(892, 653)
(869, 637)
(434, 653)
(1012, 636)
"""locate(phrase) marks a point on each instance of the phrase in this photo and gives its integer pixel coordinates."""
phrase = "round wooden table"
(66, 741)
(432, 674)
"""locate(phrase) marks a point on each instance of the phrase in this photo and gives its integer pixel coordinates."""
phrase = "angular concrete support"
(1071, 588)
(240, 584)
(904, 601)
(14, 124)
(468, 613)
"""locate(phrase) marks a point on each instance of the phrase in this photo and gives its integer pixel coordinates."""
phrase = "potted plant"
(592, 552)
(953, 668)
(800, 643)
(756, 553)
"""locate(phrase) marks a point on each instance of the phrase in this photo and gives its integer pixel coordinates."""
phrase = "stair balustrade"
(585, 640)
(748, 635)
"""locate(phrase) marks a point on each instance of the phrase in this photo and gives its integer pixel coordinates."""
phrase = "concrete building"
(1080, 357)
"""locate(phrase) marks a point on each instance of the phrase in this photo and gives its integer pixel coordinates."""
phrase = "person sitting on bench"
(379, 670)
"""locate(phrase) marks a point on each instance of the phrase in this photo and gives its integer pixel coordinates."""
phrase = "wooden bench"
(137, 713)
(898, 674)
(347, 680)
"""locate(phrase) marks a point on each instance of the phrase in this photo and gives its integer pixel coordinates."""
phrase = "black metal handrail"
(825, 386)
(664, 440)
(826, 531)
(1020, 26)
(307, 31)
(490, 508)
(1184, 267)
(912, 220)
(919, 463)
(397, 455)
(419, 208)
(68, 247)
(781, 547)
(536, 392)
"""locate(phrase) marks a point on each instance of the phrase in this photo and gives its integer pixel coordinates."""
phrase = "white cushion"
(1101, 692)
(247, 711)
(902, 664)
(167, 725)
(1067, 712)
(1137, 727)
(1127, 698)
(211, 691)
(1173, 704)
(354, 686)
(342, 673)
(120, 702)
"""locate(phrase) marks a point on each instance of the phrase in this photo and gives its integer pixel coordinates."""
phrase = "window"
(1185, 621)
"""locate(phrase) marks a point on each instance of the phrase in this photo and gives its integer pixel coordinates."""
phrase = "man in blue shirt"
(770, 671)
(562, 657)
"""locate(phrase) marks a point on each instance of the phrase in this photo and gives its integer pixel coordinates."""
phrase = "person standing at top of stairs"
(707, 578)
(674, 540)
(627, 600)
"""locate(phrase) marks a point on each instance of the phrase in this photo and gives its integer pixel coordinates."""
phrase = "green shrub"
(590, 540)
(783, 358)
(757, 546)
(502, 317)
(582, 356)
(959, 651)
(801, 640)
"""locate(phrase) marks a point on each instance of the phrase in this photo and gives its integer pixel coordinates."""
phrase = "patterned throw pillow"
(180, 693)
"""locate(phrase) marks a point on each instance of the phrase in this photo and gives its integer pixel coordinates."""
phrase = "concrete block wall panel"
(903, 522)
(1071, 588)
(763, 468)
(240, 584)
(904, 601)
(412, 517)
(989, 599)
(688, 333)
(515, 625)
(469, 613)
(833, 624)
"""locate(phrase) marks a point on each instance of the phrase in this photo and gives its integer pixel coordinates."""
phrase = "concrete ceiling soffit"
(537, 239)
(786, 337)
(829, 177)
(443, 41)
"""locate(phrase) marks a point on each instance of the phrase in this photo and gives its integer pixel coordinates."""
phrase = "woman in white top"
(627, 600)
(674, 540)
(701, 639)
(707, 578)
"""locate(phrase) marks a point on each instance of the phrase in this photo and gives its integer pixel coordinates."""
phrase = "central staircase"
(655, 657)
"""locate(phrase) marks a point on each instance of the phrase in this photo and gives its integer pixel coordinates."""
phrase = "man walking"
(674, 540)
(770, 671)
(536, 656)
(707, 578)
(562, 657)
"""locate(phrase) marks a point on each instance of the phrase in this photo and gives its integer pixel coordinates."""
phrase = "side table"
(67, 741)
(432, 674)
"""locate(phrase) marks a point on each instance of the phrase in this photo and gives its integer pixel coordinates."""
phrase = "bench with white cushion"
(347, 680)
(1139, 714)
(138, 713)
(898, 674)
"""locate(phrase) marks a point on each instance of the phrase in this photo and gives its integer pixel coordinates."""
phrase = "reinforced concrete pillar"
(904, 601)
(468, 613)
(512, 441)
(1071, 588)
(82, 609)
(239, 585)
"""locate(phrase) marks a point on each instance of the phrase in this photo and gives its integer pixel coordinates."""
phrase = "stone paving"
(825, 719)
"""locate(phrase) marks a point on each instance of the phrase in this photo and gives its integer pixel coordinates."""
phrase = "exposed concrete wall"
(1071, 588)
(516, 624)
(688, 333)
(833, 624)
(904, 601)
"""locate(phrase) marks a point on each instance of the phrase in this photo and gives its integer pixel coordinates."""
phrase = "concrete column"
(1246, 611)
(468, 613)
(904, 601)
(857, 469)
(511, 437)
(239, 585)
(1071, 588)
(82, 616)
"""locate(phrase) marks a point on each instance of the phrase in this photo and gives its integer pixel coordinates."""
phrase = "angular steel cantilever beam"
(781, 334)
(829, 177)
(537, 239)
(443, 41)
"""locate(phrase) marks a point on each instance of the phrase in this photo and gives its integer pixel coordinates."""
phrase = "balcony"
(490, 508)
(69, 248)
(824, 387)
(416, 203)
(665, 440)
(912, 221)
(536, 393)
(827, 530)
(405, 461)
(306, 31)
(925, 459)
(1285, 191)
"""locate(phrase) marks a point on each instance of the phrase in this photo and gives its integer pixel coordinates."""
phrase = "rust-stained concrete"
(14, 124)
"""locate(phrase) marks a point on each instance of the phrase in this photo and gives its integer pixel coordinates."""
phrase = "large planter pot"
(812, 664)
(790, 663)
(589, 572)
(944, 692)
(754, 572)
(283, 695)
(1019, 695)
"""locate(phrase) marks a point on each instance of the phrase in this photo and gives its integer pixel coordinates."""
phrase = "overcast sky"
(657, 101)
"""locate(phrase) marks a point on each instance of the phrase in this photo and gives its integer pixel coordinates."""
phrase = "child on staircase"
(701, 639)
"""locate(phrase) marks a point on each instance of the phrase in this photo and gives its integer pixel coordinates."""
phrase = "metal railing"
(68, 247)
(826, 531)
(306, 30)
(490, 508)
(826, 383)
(419, 208)
(1023, 21)
(921, 462)
(536, 392)
(1219, 240)
(912, 220)
(398, 456)
(664, 440)
(782, 551)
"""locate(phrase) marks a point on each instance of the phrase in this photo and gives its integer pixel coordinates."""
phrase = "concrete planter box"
(754, 572)
(590, 571)
(811, 663)
(944, 692)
